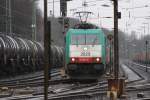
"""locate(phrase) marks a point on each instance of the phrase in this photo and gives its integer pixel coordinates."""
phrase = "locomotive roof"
(85, 26)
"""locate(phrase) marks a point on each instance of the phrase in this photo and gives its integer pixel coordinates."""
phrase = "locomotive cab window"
(84, 39)
(78, 39)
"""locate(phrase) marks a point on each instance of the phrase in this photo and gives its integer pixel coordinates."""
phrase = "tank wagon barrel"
(18, 55)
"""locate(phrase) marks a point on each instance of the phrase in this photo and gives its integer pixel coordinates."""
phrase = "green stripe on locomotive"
(99, 32)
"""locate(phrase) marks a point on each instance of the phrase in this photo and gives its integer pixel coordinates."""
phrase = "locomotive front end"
(85, 53)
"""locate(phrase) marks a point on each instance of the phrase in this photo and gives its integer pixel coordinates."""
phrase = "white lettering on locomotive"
(85, 51)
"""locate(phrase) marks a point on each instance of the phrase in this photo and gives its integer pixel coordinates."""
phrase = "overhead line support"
(47, 45)
(116, 48)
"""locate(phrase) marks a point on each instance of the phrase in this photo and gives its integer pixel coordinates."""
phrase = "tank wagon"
(18, 55)
(85, 54)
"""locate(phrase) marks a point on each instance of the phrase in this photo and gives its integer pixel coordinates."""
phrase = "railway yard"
(30, 87)
(74, 50)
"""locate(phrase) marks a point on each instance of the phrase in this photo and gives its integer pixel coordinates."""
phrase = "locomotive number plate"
(85, 53)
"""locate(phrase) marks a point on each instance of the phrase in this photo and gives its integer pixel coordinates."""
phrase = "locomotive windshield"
(84, 39)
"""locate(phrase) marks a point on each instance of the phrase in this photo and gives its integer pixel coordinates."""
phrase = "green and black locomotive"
(85, 54)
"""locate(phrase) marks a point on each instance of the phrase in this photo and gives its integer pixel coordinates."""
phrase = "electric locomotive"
(85, 54)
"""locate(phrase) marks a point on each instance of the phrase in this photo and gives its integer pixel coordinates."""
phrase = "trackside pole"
(116, 48)
(115, 84)
(47, 45)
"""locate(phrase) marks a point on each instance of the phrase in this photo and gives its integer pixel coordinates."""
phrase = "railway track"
(77, 92)
(67, 92)
(139, 86)
(142, 67)
(37, 80)
(140, 70)
(91, 91)
(27, 76)
(31, 80)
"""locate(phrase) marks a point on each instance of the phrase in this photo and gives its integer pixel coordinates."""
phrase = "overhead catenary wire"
(51, 2)
(93, 1)
(82, 7)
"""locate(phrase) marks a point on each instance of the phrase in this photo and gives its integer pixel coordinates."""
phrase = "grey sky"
(125, 22)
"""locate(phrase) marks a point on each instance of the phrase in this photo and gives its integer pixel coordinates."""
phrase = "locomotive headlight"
(97, 59)
(73, 59)
(85, 48)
